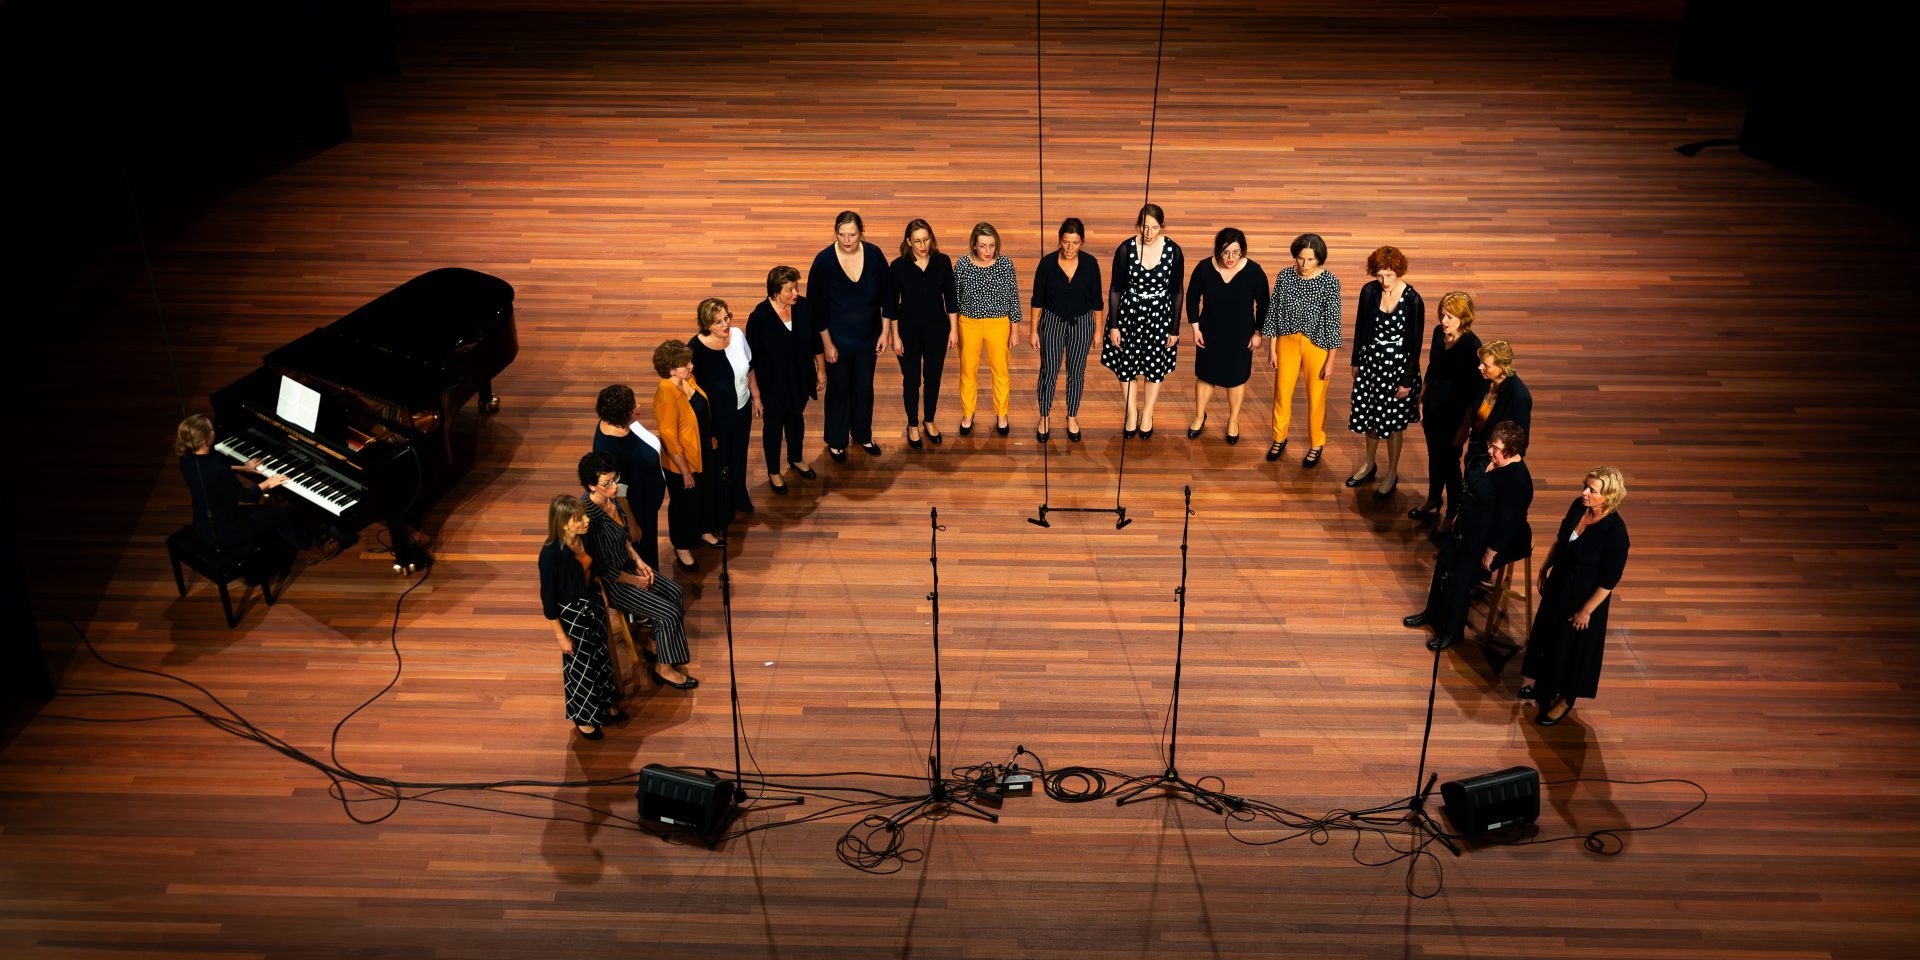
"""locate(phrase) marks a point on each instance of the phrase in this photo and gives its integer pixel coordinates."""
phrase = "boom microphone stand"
(1046, 490)
(1171, 781)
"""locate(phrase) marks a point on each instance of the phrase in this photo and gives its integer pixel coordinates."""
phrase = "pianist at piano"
(228, 509)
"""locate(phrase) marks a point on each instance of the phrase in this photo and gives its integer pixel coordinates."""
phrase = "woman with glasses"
(1302, 328)
(986, 291)
(1226, 300)
(631, 587)
(723, 366)
(850, 287)
(921, 325)
(1143, 322)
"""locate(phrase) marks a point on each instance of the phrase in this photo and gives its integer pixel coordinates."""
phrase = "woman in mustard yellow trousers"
(1302, 328)
(988, 293)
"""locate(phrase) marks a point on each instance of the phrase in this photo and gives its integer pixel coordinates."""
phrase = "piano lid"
(397, 348)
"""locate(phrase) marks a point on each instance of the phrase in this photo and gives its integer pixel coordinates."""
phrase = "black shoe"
(936, 438)
(1073, 435)
(1441, 643)
(1526, 692)
(1193, 433)
(777, 488)
(595, 734)
(1312, 459)
(687, 684)
(1274, 451)
(1363, 478)
(1232, 439)
(1130, 432)
(1146, 434)
(913, 442)
(805, 473)
(1424, 511)
(1546, 717)
(1420, 619)
(1041, 435)
(1379, 495)
(872, 449)
(839, 456)
(688, 567)
(966, 429)
(1003, 428)
(617, 716)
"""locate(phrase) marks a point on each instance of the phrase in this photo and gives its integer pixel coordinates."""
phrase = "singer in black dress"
(1577, 580)
(1226, 300)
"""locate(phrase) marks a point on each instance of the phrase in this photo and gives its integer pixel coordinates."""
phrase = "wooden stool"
(1501, 591)
(222, 565)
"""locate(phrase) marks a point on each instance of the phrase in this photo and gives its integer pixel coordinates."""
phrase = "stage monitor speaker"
(1493, 801)
(682, 800)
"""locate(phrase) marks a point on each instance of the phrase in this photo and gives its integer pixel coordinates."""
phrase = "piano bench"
(221, 565)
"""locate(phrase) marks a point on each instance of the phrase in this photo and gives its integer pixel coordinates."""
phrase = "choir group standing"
(1474, 411)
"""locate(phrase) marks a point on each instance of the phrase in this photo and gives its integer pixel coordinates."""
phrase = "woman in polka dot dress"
(1143, 325)
(1387, 331)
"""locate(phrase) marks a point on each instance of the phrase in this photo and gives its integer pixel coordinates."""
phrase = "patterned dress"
(1146, 310)
(1386, 358)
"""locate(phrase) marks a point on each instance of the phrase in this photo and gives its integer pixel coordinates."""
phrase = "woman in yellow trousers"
(1302, 328)
(988, 293)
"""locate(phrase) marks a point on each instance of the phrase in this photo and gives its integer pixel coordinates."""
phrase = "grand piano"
(390, 377)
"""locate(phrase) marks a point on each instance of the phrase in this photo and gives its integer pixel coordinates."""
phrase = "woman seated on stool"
(1491, 532)
(227, 509)
(631, 586)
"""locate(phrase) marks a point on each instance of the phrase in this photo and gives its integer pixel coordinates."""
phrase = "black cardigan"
(1367, 317)
(1176, 284)
(561, 579)
(783, 358)
(824, 279)
(217, 496)
(1511, 402)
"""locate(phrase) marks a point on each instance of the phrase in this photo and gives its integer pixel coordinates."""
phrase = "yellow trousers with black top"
(1299, 357)
(991, 334)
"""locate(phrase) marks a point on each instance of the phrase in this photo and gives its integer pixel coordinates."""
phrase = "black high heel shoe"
(687, 684)
(1233, 439)
(595, 734)
(693, 567)
(1363, 478)
(805, 473)
(839, 456)
(1003, 428)
(779, 488)
(1146, 433)
(1546, 718)
(1424, 511)
(1312, 459)
(1041, 435)
(872, 449)
(1073, 435)
(913, 442)
(1193, 433)
(936, 438)
(966, 429)
(1379, 495)
(1275, 450)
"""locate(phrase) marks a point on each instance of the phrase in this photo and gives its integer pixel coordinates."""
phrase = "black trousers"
(1455, 571)
(783, 420)
(924, 359)
(850, 396)
(1443, 461)
(265, 523)
(687, 514)
(734, 444)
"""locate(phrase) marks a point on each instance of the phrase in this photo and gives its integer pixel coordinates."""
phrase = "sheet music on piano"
(299, 404)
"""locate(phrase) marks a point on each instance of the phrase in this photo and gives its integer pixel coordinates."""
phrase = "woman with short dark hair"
(789, 369)
(1302, 328)
(1226, 300)
(1067, 306)
(986, 290)
(630, 586)
(922, 326)
(1143, 321)
(686, 436)
(638, 463)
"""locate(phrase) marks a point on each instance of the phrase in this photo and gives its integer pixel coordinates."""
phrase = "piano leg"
(489, 401)
(408, 555)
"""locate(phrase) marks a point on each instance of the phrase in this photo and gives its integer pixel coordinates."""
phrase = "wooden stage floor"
(1735, 339)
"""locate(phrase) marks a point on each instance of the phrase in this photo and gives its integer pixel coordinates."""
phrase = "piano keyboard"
(315, 486)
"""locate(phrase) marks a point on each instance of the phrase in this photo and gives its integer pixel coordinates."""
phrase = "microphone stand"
(739, 792)
(1417, 816)
(939, 799)
(1046, 490)
(1170, 780)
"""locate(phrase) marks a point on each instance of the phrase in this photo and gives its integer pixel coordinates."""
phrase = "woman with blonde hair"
(227, 508)
(723, 367)
(578, 613)
(1505, 400)
(1447, 394)
(1577, 580)
(987, 293)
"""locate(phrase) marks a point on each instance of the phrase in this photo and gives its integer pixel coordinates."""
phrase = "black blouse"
(1235, 307)
(1453, 385)
(783, 358)
(561, 580)
(1368, 318)
(923, 299)
(606, 541)
(714, 373)
(217, 496)
(849, 310)
(1067, 299)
